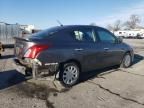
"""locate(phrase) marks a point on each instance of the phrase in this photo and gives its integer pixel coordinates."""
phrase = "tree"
(133, 22)
(110, 27)
(117, 25)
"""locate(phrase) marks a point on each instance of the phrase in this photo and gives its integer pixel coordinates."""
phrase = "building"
(8, 31)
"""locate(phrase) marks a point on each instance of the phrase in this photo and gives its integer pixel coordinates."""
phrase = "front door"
(111, 53)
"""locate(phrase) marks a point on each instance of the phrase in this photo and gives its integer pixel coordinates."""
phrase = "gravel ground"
(112, 88)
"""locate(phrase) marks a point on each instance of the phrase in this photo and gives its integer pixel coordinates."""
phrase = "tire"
(69, 74)
(0, 55)
(127, 61)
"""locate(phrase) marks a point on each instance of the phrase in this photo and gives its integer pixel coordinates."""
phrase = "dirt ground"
(111, 88)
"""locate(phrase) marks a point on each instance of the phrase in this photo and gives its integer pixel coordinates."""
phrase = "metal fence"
(8, 31)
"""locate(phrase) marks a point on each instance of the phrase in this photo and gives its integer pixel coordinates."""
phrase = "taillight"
(35, 50)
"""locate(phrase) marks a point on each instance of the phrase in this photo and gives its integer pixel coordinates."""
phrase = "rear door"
(111, 51)
(86, 49)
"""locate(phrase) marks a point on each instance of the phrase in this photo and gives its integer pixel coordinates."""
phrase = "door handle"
(78, 49)
(106, 48)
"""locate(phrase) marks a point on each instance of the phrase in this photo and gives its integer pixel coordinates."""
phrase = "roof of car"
(73, 26)
(64, 27)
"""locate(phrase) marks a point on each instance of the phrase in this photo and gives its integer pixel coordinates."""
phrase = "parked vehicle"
(1, 48)
(135, 34)
(121, 33)
(70, 50)
(142, 36)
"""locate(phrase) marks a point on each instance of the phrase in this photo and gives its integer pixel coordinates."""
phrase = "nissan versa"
(70, 50)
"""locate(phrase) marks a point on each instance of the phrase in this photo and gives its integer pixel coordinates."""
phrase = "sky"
(45, 13)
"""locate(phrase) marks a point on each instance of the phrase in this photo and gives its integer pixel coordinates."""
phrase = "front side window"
(105, 36)
(84, 35)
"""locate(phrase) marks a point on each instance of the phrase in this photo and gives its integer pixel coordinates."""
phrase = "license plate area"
(18, 50)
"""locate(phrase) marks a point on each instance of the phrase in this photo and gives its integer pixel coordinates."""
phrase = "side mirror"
(119, 40)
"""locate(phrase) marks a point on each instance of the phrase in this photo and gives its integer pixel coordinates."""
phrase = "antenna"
(59, 23)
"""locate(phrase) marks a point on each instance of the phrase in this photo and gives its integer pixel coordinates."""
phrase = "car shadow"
(101, 72)
(10, 78)
(137, 58)
(97, 73)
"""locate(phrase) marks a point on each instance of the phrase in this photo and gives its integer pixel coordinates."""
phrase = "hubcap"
(127, 60)
(70, 75)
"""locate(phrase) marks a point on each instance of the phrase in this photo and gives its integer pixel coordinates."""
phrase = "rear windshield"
(46, 33)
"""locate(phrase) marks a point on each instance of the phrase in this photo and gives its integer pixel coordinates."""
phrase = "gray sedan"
(66, 51)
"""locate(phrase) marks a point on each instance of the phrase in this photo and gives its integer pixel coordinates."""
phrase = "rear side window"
(86, 35)
(106, 36)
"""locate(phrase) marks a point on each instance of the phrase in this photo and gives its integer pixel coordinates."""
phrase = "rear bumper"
(18, 66)
(36, 69)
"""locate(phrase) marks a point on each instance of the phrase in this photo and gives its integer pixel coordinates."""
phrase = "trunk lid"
(21, 45)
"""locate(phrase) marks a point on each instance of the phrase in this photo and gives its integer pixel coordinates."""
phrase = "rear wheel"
(69, 74)
(127, 61)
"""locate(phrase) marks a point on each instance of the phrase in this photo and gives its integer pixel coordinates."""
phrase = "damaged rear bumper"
(18, 66)
(36, 67)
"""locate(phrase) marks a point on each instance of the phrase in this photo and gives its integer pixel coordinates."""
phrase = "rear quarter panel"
(59, 53)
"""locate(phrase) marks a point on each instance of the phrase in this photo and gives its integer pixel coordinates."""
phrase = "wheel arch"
(69, 61)
(129, 52)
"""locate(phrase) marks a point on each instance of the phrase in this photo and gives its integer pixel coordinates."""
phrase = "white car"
(142, 36)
